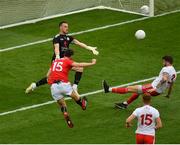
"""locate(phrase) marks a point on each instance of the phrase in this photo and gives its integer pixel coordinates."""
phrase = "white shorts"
(59, 90)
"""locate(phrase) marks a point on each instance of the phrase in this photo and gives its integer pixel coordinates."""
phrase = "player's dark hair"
(168, 59)
(68, 53)
(62, 22)
(147, 98)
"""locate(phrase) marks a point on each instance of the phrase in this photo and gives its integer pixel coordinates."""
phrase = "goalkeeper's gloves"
(93, 49)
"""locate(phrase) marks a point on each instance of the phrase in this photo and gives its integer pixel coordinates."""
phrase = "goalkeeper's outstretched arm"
(83, 45)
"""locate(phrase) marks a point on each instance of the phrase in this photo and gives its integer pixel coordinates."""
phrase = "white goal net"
(17, 12)
(132, 6)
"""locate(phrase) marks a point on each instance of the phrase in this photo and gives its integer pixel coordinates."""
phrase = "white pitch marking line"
(87, 31)
(86, 94)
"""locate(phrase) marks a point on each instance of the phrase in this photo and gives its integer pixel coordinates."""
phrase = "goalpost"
(129, 6)
(18, 12)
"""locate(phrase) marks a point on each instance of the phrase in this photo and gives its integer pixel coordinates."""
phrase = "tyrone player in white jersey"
(164, 81)
(148, 121)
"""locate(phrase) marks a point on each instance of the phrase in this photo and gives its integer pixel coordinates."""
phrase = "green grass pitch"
(122, 59)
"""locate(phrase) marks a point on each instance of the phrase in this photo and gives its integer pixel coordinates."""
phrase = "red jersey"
(60, 69)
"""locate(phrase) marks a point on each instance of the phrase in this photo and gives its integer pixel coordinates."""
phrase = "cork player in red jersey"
(60, 85)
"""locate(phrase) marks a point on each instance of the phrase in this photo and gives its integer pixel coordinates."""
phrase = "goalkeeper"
(61, 43)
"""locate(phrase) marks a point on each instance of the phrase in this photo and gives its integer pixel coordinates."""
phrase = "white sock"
(75, 86)
(125, 103)
(33, 85)
(110, 89)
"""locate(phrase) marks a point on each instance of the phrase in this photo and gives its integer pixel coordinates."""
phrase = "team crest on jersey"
(61, 39)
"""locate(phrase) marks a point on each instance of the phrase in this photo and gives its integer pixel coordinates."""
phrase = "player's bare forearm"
(129, 120)
(164, 79)
(161, 83)
(158, 123)
(56, 50)
(169, 90)
(79, 43)
(83, 45)
(84, 64)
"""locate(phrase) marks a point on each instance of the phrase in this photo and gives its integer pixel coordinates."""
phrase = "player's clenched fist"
(93, 61)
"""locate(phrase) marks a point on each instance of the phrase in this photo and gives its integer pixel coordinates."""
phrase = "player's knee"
(139, 89)
(74, 95)
(130, 88)
(133, 89)
(61, 103)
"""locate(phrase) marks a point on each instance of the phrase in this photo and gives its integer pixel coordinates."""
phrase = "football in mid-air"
(144, 9)
(140, 34)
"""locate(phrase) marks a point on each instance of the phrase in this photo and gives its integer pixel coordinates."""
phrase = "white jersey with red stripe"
(172, 77)
(146, 116)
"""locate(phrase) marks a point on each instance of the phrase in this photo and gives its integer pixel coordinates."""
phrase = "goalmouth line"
(82, 95)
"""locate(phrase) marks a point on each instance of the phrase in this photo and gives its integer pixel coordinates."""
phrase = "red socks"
(124, 91)
(120, 90)
(132, 98)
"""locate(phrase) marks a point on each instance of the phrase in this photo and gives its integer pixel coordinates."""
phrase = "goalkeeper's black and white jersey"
(63, 41)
